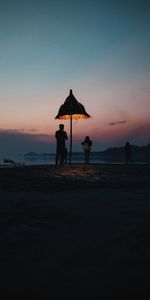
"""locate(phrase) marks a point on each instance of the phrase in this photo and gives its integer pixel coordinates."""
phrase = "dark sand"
(76, 233)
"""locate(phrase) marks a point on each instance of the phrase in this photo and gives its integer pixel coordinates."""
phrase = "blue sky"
(100, 49)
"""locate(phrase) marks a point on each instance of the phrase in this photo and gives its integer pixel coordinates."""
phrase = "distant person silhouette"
(87, 143)
(128, 152)
(61, 137)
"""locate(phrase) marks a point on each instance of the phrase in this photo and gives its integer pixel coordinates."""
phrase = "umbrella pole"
(70, 154)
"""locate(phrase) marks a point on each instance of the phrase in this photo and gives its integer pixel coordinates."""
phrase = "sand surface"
(82, 232)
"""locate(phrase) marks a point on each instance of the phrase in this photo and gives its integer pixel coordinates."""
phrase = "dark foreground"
(80, 233)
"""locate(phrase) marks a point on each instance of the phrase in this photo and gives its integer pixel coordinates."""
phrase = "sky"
(99, 49)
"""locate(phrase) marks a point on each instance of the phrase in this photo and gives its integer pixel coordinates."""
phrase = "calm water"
(49, 159)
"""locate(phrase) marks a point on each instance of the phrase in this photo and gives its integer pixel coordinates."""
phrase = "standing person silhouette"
(87, 143)
(61, 137)
(128, 152)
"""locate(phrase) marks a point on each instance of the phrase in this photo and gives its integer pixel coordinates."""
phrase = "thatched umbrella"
(71, 110)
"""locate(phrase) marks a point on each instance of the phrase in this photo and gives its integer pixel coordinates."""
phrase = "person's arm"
(66, 137)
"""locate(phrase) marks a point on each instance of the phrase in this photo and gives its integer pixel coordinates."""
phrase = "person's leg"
(56, 159)
(57, 156)
(85, 157)
(61, 157)
(88, 157)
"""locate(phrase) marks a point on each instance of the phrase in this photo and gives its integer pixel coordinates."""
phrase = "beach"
(80, 231)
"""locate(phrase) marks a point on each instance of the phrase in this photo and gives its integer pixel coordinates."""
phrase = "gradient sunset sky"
(100, 49)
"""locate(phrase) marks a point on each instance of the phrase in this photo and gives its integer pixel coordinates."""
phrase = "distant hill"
(114, 153)
(117, 153)
(37, 154)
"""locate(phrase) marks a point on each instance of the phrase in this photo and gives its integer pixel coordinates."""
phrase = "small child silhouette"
(87, 143)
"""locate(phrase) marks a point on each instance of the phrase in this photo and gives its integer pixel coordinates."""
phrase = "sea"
(46, 159)
(49, 159)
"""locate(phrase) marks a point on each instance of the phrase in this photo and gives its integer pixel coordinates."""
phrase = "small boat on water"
(7, 160)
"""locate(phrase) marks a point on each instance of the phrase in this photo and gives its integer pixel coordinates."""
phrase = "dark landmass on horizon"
(113, 153)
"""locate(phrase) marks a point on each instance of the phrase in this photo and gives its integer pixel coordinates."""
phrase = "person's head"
(61, 126)
(87, 138)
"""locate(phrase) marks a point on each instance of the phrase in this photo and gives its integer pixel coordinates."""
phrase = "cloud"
(138, 134)
(145, 89)
(118, 123)
(19, 130)
(12, 141)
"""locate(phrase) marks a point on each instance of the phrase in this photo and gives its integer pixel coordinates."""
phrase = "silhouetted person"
(128, 152)
(60, 136)
(87, 143)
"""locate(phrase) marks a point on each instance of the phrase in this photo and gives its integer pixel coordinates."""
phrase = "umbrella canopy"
(72, 110)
